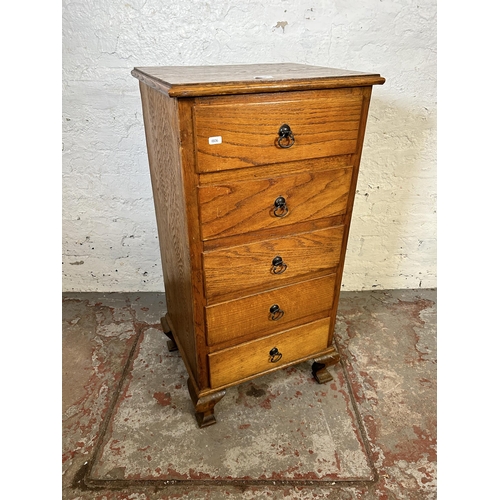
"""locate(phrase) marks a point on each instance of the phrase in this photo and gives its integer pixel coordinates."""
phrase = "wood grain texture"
(184, 81)
(214, 207)
(273, 170)
(162, 138)
(323, 123)
(251, 315)
(190, 182)
(245, 206)
(237, 363)
(232, 270)
(275, 232)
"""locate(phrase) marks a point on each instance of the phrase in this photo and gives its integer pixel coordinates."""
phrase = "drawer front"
(269, 311)
(270, 263)
(255, 357)
(240, 207)
(245, 132)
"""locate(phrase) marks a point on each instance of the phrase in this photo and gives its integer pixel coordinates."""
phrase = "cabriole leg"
(204, 405)
(319, 371)
(171, 344)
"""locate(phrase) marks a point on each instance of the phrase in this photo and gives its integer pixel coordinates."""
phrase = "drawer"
(271, 263)
(244, 131)
(241, 206)
(269, 312)
(258, 356)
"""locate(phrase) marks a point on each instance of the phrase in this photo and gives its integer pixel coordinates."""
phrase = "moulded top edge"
(191, 81)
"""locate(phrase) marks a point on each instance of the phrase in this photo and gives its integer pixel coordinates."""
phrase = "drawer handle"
(280, 208)
(285, 137)
(274, 355)
(275, 313)
(278, 267)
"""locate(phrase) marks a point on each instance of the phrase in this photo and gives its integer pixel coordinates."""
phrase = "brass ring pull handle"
(274, 355)
(280, 208)
(275, 312)
(278, 266)
(285, 137)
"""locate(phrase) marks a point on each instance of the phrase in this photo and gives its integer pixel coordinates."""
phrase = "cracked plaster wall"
(109, 228)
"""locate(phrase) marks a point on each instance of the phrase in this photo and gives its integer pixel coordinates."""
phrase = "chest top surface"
(192, 81)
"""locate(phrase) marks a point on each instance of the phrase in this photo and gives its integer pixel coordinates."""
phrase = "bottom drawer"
(258, 356)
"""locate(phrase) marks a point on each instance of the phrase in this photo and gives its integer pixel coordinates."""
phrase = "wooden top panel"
(190, 81)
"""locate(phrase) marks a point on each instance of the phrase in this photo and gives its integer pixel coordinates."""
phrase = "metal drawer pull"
(275, 313)
(285, 137)
(274, 355)
(280, 208)
(278, 267)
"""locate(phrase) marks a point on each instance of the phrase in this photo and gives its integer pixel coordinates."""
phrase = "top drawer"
(243, 131)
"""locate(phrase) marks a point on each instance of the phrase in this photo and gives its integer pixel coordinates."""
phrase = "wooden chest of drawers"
(254, 171)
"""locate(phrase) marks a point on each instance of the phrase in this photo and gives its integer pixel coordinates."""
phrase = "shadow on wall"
(393, 231)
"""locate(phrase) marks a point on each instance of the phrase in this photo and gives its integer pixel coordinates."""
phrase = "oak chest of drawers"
(254, 171)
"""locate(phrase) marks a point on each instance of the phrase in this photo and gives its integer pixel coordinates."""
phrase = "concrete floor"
(129, 432)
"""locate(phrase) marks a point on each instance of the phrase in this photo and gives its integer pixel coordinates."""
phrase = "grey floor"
(116, 370)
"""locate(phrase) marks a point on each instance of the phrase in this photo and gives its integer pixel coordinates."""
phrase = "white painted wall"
(109, 227)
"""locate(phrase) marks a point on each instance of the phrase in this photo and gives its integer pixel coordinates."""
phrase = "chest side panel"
(162, 137)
